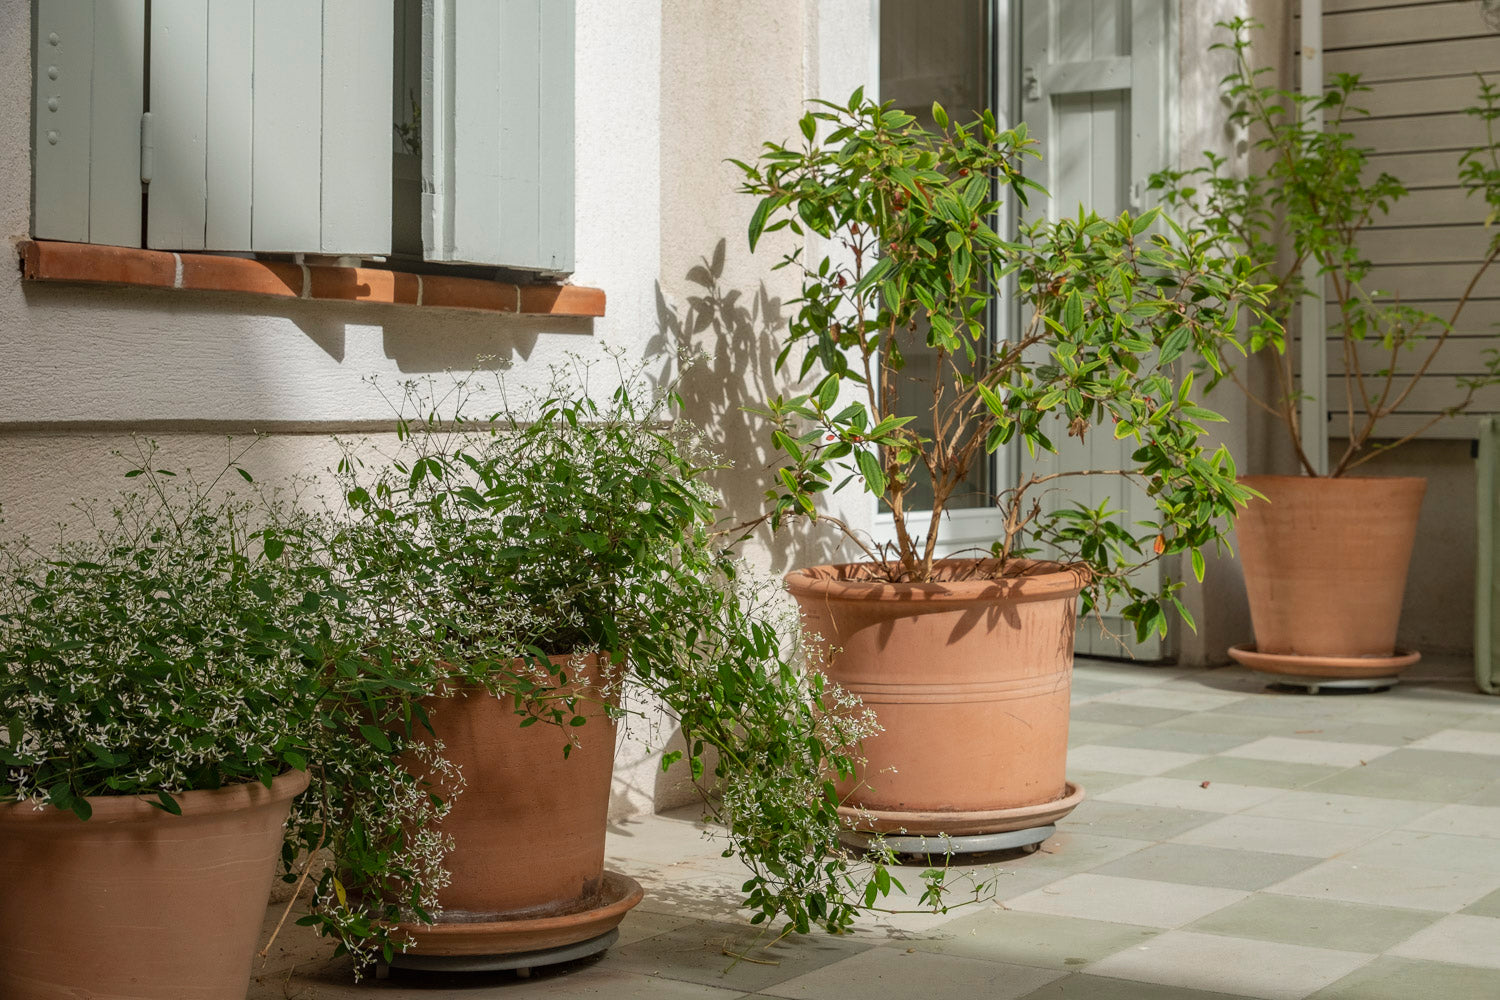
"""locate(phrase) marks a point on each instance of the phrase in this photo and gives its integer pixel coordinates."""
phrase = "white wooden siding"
(1420, 58)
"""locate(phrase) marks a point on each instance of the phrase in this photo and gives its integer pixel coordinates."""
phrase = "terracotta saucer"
(1299, 665)
(502, 937)
(958, 824)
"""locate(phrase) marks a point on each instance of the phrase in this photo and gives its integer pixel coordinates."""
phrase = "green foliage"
(177, 644)
(907, 219)
(559, 525)
(1318, 192)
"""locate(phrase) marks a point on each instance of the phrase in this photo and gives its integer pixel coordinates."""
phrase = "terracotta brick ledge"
(48, 260)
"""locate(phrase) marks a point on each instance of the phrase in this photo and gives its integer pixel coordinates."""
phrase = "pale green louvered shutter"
(497, 132)
(89, 63)
(1095, 79)
(267, 124)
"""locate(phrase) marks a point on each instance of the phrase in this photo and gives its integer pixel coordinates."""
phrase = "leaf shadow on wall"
(726, 341)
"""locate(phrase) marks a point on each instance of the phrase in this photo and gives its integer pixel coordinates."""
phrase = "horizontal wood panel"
(1420, 59)
(1412, 134)
(1397, 425)
(1439, 244)
(1417, 170)
(1435, 95)
(1433, 281)
(1453, 19)
(1478, 316)
(1459, 355)
(1434, 207)
(1337, 6)
(1431, 395)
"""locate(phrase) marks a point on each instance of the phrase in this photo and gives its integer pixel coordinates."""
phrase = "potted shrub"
(160, 682)
(966, 661)
(1314, 533)
(515, 572)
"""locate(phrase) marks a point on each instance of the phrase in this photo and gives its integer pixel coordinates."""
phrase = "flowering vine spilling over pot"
(500, 551)
(908, 247)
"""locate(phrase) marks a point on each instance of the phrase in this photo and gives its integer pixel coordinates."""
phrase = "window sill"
(87, 263)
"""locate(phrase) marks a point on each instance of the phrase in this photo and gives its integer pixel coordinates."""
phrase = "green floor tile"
(732, 956)
(1121, 819)
(1320, 922)
(1390, 978)
(1449, 764)
(1082, 987)
(1181, 740)
(1081, 732)
(1489, 906)
(1489, 795)
(1098, 782)
(1034, 939)
(1249, 726)
(1261, 773)
(1124, 715)
(1388, 784)
(1213, 866)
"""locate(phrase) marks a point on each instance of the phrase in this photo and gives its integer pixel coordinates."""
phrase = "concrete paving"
(1237, 842)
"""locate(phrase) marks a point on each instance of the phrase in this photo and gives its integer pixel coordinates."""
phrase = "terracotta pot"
(969, 678)
(528, 827)
(1325, 563)
(135, 903)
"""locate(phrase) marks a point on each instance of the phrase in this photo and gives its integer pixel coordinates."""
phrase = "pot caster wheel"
(382, 971)
(1031, 848)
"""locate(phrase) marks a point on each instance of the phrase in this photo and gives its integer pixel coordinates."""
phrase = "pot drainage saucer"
(470, 946)
(955, 827)
(1315, 672)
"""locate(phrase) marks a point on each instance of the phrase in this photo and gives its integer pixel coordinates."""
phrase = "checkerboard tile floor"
(1236, 843)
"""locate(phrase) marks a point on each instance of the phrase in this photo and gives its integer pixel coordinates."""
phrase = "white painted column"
(1314, 410)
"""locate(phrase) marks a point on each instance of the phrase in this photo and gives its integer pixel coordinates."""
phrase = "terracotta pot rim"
(138, 808)
(1036, 580)
(929, 823)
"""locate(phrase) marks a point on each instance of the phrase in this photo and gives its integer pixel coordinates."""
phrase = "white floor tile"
(1181, 793)
(1278, 835)
(1408, 886)
(1296, 751)
(1440, 851)
(1127, 900)
(1170, 697)
(1237, 966)
(1461, 740)
(1465, 821)
(1460, 939)
(1331, 807)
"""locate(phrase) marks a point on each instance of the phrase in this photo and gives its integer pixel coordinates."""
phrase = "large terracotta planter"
(528, 827)
(969, 679)
(1325, 564)
(135, 903)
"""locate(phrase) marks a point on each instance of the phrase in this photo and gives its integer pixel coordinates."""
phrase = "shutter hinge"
(148, 148)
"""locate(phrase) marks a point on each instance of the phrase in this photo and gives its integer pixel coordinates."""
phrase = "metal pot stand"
(522, 962)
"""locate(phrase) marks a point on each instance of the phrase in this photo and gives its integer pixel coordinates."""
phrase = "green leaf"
(939, 115)
(376, 737)
(869, 468)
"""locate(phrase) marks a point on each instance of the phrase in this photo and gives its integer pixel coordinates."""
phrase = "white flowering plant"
(191, 637)
(576, 521)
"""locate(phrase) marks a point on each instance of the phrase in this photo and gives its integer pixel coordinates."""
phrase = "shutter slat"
(231, 31)
(1452, 19)
(495, 142)
(1421, 59)
(287, 122)
(63, 57)
(556, 157)
(178, 206)
(357, 135)
(119, 77)
(1437, 244)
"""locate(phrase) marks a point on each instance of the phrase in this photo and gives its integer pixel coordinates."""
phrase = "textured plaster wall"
(82, 367)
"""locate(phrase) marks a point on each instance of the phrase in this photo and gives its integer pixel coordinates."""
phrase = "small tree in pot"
(980, 647)
(1312, 207)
